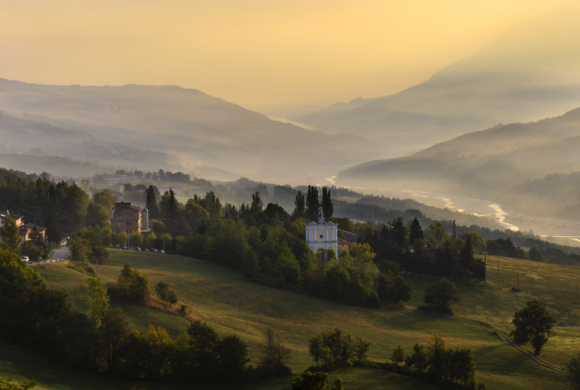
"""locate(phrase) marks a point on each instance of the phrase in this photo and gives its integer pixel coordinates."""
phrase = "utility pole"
(485, 266)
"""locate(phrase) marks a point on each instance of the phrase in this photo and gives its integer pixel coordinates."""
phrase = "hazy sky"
(261, 54)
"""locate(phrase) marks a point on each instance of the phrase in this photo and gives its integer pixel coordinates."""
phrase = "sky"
(263, 55)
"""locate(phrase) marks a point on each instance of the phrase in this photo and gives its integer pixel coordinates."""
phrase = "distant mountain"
(502, 163)
(26, 136)
(296, 111)
(529, 72)
(185, 128)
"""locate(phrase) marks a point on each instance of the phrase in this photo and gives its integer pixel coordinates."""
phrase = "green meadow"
(231, 304)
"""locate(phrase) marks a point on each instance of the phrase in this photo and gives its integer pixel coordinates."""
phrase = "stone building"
(129, 219)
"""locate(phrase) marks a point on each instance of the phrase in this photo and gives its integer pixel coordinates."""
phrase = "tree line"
(101, 340)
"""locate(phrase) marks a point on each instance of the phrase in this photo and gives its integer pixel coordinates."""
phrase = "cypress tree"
(416, 234)
(257, 203)
(151, 203)
(300, 205)
(312, 204)
(327, 207)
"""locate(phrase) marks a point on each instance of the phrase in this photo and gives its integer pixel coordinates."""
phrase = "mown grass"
(231, 304)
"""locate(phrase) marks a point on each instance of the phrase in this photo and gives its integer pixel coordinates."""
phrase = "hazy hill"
(501, 163)
(192, 127)
(25, 136)
(530, 71)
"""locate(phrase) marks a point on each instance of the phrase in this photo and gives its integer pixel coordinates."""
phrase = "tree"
(416, 235)
(132, 285)
(94, 294)
(312, 204)
(535, 255)
(52, 230)
(122, 238)
(533, 323)
(394, 288)
(136, 239)
(80, 249)
(276, 354)
(573, 371)
(478, 243)
(466, 256)
(105, 199)
(436, 360)
(315, 381)
(23, 384)
(150, 240)
(311, 381)
(10, 233)
(31, 250)
(399, 233)
(106, 235)
(114, 327)
(327, 206)
(165, 293)
(362, 346)
(398, 355)
(299, 206)
(233, 356)
(257, 204)
(151, 202)
(419, 359)
(97, 215)
(439, 295)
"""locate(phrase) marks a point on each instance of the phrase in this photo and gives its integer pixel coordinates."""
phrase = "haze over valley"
(304, 195)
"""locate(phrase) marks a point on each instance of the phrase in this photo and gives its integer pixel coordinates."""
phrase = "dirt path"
(507, 339)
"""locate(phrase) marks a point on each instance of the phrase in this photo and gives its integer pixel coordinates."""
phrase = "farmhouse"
(129, 219)
(322, 235)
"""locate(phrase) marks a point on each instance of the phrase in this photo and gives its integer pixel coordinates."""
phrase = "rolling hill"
(231, 304)
(494, 163)
(530, 71)
(172, 126)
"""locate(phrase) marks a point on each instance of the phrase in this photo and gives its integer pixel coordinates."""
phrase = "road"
(58, 255)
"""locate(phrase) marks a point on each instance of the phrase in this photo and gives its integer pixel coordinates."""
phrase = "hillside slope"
(528, 72)
(493, 163)
(233, 305)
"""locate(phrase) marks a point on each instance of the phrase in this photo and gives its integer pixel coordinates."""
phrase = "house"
(16, 217)
(322, 235)
(129, 219)
(26, 231)
(350, 237)
(342, 244)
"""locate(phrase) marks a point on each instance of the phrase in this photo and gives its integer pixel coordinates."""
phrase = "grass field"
(231, 304)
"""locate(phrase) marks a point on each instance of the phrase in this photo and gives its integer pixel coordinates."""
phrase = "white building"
(322, 235)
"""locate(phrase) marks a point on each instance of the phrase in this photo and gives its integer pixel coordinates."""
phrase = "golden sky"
(261, 54)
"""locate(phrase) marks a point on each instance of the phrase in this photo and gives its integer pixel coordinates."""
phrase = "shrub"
(439, 295)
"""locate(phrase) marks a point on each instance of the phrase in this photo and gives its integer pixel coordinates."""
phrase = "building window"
(129, 223)
(322, 236)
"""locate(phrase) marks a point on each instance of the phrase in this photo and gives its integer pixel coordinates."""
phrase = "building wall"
(322, 236)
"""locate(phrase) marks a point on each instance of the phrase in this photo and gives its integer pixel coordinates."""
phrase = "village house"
(129, 219)
(16, 217)
(26, 232)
